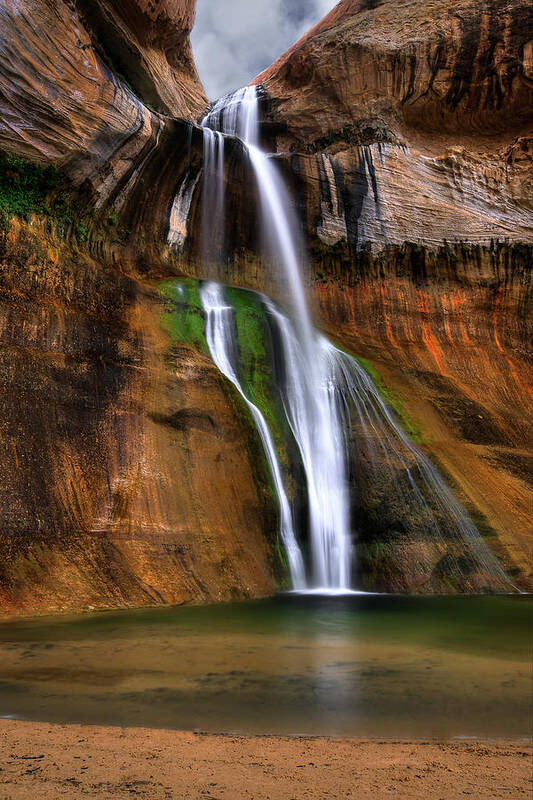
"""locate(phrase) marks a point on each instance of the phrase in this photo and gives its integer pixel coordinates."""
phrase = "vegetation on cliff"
(28, 189)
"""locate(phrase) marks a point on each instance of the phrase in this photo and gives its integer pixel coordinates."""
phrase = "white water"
(221, 339)
(385, 444)
(312, 411)
(325, 391)
(308, 398)
(236, 114)
(213, 206)
(356, 405)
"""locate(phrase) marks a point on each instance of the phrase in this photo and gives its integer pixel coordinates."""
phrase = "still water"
(364, 665)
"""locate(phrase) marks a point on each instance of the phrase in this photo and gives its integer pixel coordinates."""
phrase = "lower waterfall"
(368, 433)
(219, 332)
(326, 395)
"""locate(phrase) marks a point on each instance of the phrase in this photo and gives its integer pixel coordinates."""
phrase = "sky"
(234, 40)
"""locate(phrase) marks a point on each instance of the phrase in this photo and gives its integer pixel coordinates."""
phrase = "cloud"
(233, 40)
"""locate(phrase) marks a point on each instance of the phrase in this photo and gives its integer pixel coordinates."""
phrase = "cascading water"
(312, 411)
(384, 442)
(236, 114)
(325, 393)
(220, 335)
(213, 201)
(308, 398)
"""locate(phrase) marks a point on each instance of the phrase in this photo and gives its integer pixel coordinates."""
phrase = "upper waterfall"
(236, 114)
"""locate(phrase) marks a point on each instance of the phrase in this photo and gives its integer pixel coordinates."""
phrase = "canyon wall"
(132, 474)
(379, 69)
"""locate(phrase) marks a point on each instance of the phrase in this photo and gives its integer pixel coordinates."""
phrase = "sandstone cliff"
(68, 98)
(404, 128)
(404, 68)
(130, 474)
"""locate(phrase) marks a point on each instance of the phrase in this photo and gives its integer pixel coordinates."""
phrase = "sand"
(48, 762)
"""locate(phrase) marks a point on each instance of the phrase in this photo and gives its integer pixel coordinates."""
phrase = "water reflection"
(369, 665)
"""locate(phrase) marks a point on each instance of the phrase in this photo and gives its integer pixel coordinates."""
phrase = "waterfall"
(312, 410)
(213, 200)
(308, 396)
(236, 114)
(221, 339)
(325, 393)
(385, 443)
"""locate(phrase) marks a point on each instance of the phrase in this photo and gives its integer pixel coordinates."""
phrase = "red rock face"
(450, 347)
(128, 470)
(129, 473)
(429, 67)
(414, 111)
(149, 43)
(64, 99)
(410, 130)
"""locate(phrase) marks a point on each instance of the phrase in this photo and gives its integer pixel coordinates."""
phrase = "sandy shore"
(77, 761)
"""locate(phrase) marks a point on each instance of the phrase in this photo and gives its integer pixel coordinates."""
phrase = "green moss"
(82, 232)
(377, 562)
(478, 518)
(63, 213)
(256, 371)
(281, 565)
(392, 400)
(183, 319)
